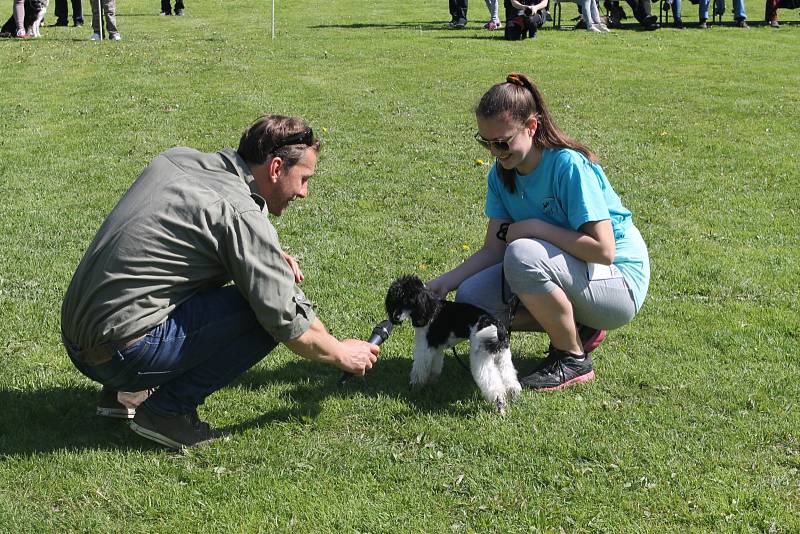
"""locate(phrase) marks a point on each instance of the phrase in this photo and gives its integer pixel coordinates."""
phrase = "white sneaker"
(594, 28)
(95, 37)
(115, 36)
(603, 27)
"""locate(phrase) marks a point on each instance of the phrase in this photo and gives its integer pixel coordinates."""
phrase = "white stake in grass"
(100, 10)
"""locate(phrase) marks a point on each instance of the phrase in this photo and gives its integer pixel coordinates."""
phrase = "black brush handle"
(380, 333)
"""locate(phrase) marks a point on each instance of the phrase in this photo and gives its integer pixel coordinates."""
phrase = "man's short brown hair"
(262, 140)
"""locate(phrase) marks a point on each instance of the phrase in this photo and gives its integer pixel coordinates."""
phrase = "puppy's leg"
(437, 361)
(508, 374)
(423, 363)
(487, 375)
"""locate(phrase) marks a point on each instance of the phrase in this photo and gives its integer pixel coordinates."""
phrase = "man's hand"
(351, 355)
(358, 356)
(295, 267)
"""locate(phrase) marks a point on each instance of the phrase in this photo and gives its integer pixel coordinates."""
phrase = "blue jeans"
(204, 345)
(676, 9)
(738, 9)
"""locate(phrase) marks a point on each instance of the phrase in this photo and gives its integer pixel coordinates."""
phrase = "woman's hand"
(439, 286)
(295, 267)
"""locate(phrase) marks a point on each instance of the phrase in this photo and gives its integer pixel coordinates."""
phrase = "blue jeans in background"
(204, 345)
(676, 9)
(738, 9)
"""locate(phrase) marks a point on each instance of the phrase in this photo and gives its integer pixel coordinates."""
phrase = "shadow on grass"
(425, 26)
(389, 378)
(48, 420)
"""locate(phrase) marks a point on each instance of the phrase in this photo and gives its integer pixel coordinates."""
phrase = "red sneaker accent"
(578, 379)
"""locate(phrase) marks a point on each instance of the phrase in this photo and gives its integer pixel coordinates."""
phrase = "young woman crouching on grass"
(559, 239)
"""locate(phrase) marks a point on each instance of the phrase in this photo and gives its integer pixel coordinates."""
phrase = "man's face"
(290, 183)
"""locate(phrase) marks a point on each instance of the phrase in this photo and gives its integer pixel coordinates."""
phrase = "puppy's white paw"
(500, 404)
(420, 379)
(416, 383)
(514, 391)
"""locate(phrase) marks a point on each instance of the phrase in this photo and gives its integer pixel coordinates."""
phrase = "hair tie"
(515, 79)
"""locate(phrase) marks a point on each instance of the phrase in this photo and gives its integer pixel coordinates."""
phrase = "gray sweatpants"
(109, 8)
(19, 14)
(534, 266)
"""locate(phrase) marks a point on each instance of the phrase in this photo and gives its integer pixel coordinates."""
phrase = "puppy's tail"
(491, 334)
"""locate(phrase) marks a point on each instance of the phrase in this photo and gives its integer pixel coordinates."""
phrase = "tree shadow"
(424, 26)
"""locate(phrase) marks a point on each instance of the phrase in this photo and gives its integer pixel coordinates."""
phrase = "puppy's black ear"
(393, 295)
(398, 298)
(424, 306)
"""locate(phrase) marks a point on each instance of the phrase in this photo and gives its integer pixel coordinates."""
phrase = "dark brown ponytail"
(519, 100)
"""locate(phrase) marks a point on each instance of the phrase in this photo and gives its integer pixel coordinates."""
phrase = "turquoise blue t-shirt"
(568, 190)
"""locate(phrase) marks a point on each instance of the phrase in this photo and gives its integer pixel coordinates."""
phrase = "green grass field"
(693, 422)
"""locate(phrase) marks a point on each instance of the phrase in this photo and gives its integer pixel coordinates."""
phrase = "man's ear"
(274, 167)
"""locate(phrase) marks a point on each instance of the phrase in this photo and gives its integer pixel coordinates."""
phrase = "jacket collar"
(242, 169)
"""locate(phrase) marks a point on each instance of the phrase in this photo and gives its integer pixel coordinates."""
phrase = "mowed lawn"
(692, 424)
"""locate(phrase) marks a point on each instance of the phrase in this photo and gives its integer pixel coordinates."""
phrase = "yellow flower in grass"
(479, 162)
(465, 247)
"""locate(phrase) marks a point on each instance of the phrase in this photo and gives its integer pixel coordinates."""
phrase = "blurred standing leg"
(62, 16)
(19, 17)
(77, 12)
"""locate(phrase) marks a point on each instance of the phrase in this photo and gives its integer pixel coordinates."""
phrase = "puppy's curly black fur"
(445, 319)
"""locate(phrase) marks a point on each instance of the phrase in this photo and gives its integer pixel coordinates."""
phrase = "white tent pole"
(273, 19)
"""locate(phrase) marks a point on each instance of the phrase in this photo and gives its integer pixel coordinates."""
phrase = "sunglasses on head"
(306, 137)
(501, 146)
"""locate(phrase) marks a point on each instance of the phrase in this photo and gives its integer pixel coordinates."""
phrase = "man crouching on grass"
(148, 309)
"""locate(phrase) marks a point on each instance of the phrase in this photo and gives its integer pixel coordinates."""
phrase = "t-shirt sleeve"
(253, 256)
(495, 209)
(580, 189)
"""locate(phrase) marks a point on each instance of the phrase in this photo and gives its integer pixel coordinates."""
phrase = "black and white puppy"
(34, 14)
(440, 324)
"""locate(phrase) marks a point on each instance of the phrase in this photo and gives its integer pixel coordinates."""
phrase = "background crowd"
(28, 15)
(523, 18)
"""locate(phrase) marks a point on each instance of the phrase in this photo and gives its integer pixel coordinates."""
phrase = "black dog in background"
(34, 14)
